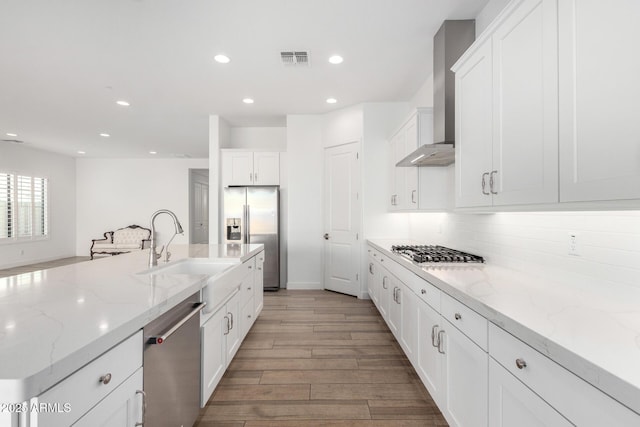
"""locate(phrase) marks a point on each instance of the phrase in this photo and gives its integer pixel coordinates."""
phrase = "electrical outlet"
(574, 248)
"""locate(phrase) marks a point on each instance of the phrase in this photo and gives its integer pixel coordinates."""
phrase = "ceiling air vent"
(295, 58)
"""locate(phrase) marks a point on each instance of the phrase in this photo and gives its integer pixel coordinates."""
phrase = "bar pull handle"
(484, 183)
(159, 339)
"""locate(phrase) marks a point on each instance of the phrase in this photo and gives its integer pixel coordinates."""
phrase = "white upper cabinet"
(599, 91)
(250, 168)
(474, 134)
(417, 188)
(525, 93)
(506, 111)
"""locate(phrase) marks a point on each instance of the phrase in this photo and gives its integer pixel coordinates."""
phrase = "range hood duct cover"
(452, 39)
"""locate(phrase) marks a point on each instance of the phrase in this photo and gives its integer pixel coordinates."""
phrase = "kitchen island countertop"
(590, 328)
(52, 322)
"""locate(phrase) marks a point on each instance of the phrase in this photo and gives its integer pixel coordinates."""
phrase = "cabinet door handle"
(250, 177)
(255, 177)
(228, 326)
(440, 342)
(484, 183)
(492, 182)
(144, 407)
(434, 334)
(398, 295)
(231, 317)
(521, 364)
(371, 267)
(413, 198)
(384, 282)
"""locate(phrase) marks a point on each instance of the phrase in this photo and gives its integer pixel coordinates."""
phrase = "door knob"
(326, 236)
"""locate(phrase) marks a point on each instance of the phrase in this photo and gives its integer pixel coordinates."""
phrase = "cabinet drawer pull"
(371, 267)
(423, 291)
(249, 288)
(144, 407)
(105, 379)
(521, 364)
(484, 183)
(492, 182)
(434, 333)
(413, 194)
(457, 316)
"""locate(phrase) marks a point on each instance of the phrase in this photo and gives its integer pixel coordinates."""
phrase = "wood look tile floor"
(42, 266)
(319, 359)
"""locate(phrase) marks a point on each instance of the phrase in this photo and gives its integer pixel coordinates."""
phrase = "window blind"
(23, 206)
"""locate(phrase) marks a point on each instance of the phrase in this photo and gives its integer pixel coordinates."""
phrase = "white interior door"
(342, 219)
(201, 213)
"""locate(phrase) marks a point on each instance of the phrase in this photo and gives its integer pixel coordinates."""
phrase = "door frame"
(359, 269)
(204, 172)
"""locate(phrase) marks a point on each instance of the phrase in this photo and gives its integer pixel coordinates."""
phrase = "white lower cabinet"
(123, 407)
(106, 392)
(429, 362)
(409, 323)
(223, 332)
(572, 397)
(214, 353)
(465, 379)
(511, 403)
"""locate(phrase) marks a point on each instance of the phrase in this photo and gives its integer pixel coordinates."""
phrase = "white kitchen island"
(53, 322)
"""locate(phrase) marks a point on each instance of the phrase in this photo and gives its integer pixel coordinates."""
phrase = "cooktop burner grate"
(434, 253)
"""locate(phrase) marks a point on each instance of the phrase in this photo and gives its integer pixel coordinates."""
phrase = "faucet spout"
(153, 255)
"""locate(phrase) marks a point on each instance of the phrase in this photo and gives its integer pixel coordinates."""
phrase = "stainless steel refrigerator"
(251, 215)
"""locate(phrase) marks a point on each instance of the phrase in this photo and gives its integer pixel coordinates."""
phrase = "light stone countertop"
(591, 330)
(52, 322)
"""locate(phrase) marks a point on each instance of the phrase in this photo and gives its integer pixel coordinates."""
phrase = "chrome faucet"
(153, 255)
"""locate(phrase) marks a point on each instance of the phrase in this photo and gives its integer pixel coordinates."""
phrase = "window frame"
(15, 238)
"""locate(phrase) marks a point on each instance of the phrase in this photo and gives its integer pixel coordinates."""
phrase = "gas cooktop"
(431, 253)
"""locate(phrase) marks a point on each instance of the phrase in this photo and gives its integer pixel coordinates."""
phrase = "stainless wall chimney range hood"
(450, 42)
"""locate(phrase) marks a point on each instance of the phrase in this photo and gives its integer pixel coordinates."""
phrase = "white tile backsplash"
(608, 242)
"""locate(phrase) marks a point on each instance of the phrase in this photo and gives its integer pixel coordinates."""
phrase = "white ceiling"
(64, 64)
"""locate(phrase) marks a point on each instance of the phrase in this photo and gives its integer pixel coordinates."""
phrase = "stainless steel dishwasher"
(172, 366)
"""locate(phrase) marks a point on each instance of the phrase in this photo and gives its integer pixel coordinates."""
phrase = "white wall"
(342, 126)
(305, 159)
(115, 193)
(60, 170)
(219, 134)
(257, 138)
(424, 96)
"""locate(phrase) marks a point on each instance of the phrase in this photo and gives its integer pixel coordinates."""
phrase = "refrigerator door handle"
(244, 223)
(247, 227)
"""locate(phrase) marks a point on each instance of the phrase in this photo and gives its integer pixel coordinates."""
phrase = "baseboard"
(304, 285)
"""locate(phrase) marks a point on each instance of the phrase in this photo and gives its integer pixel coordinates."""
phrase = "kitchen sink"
(203, 266)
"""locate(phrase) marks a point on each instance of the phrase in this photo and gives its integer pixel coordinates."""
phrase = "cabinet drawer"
(466, 320)
(84, 389)
(574, 398)
(426, 292)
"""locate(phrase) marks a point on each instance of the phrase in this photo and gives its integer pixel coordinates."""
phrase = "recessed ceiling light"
(81, 152)
(331, 100)
(223, 59)
(105, 135)
(123, 103)
(11, 134)
(153, 152)
(336, 59)
(248, 101)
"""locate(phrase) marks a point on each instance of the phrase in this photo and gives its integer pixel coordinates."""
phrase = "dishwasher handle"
(159, 339)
